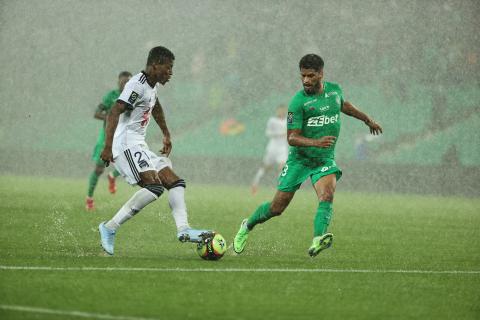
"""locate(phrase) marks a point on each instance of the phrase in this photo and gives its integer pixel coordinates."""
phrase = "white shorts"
(138, 159)
(275, 154)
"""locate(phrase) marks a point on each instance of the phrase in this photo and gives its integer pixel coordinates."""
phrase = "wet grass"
(43, 223)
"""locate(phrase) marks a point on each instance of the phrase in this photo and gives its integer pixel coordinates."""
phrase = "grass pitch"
(394, 257)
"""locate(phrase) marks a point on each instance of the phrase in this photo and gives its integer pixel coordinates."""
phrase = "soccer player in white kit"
(276, 152)
(125, 147)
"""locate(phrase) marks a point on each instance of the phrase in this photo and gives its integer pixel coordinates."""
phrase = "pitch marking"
(265, 270)
(79, 314)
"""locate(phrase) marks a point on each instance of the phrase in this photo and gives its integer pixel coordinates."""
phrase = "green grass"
(43, 224)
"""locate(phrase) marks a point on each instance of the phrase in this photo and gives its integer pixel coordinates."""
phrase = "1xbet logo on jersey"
(320, 121)
(133, 97)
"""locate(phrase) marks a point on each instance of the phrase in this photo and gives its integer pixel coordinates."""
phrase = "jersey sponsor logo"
(320, 121)
(309, 102)
(133, 97)
(324, 108)
(331, 93)
(290, 117)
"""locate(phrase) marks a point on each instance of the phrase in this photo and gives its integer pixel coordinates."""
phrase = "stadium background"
(412, 65)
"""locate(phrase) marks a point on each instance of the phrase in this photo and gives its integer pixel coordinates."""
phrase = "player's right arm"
(112, 122)
(295, 138)
(294, 128)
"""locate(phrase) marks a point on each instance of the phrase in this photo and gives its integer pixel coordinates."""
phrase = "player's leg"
(151, 190)
(289, 180)
(92, 184)
(112, 176)
(264, 212)
(325, 189)
(137, 170)
(267, 163)
(176, 199)
(265, 167)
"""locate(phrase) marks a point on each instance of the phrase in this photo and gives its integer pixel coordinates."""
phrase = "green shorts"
(97, 151)
(295, 172)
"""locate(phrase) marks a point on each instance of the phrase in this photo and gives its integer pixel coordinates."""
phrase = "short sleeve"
(295, 114)
(131, 94)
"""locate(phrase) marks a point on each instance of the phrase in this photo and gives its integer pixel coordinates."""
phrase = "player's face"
(163, 72)
(311, 80)
(122, 81)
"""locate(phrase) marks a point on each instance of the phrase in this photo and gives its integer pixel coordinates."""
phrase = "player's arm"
(294, 129)
(112, 121)
(352, 111)
(296, 139)
(159, 116)
(100, 112)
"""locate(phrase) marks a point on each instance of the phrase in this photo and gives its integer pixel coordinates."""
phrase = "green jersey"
(109, 100)
(317, 115)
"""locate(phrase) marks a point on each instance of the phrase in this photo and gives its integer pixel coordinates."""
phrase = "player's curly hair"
(159, 55)
(311, 61)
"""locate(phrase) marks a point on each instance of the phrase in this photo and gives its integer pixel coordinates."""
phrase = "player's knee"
(155, 188)
(327, 195)
(99, 170)
(179, 183)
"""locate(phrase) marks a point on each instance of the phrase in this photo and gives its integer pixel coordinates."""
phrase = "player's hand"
(375, 128)
(326, 141)
(107, 156)
(167, 146)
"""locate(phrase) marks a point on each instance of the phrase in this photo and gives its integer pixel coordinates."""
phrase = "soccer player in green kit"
(313, 126)
(108, 101)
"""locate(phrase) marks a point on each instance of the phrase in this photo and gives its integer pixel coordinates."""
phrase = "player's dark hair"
(124, 74)
(159, 55)
(311, 61)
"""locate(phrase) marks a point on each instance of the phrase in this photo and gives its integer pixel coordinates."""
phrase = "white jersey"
(132, 125)
(277, 131)
(277, 148)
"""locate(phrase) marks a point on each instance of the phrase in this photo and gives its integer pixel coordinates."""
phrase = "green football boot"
(320, 243)
(241, 238)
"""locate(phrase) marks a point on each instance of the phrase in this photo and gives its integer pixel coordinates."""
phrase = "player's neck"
(150, 80)
(319, 90)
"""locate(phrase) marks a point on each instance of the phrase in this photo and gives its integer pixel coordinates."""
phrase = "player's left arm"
(159, 116)
(350, 110)
(100, 112)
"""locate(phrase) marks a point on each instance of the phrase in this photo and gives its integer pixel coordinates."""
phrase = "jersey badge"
(290, 117)
(133, 97)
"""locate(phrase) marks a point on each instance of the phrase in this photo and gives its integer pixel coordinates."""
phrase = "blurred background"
(414, 66)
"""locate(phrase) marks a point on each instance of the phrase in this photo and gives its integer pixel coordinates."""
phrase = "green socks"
(322, 219)
(115, 173)
(92, 183)
(260, 215)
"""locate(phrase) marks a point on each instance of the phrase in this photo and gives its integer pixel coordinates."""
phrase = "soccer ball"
(212, 248)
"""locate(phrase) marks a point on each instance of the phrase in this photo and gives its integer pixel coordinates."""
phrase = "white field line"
(79, 314)
(264, 270)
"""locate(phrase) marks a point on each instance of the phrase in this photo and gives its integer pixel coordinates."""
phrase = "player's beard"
(314, 88)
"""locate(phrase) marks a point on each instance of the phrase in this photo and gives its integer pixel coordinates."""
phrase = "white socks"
(176, 199)
(136, 203)
(141, 198)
